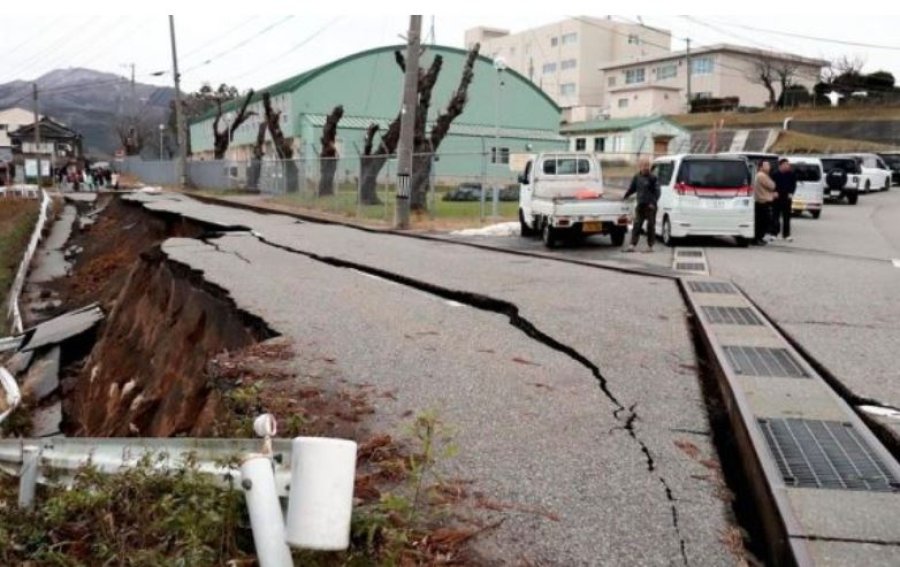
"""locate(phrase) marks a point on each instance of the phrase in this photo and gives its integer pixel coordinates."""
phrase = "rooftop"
(718, 48)
(613, 125)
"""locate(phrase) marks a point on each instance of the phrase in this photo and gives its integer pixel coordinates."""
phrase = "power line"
(219, 36)
(240, 44)
(819, 39)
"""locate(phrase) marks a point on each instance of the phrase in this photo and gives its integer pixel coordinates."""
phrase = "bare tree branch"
(457, 101)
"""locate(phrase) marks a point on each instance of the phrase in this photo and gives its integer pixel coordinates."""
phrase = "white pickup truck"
(561, 196)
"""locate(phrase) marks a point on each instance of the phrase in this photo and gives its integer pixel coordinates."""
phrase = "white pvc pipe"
(321, 493)
(13, 395)
(266, 518)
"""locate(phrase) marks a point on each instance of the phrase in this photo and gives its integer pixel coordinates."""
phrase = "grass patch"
(777, 117)
(796, 142)
(17, 220)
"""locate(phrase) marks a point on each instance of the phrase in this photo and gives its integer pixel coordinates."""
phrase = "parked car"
(464, 192)
(561, 195)
(810, 193)
(876, 175)
(892, 159)
(842, 178)
(704, 195)
(754, 158)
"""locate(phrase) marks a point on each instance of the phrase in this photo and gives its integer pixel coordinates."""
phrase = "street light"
(162, 128)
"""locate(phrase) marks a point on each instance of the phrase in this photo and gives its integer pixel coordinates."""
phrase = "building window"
(633, 76)
(599, 145)
(580, 144)
(623, 103)
(568, 64)
(567, 89)
(666, 72)
(634, 39)
(554, 41)
(701, 66)
(504, 155)
(2, 127)
(703, 95)
(549, 68)
(569, 38)
(611, 82)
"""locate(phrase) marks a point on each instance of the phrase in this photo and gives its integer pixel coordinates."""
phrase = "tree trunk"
(328, 161)
(223, 139)
(283, 146)
(369, 168)
(256, 163)
(420, 182)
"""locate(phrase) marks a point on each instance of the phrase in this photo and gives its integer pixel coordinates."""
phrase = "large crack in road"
(626, 415)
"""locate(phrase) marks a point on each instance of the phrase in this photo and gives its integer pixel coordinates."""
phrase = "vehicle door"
(526, 191)
(664, 171)
(809, 183)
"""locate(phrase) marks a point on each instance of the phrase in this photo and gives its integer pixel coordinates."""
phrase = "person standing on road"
(764, 195)
(786, 184)
(645, 185)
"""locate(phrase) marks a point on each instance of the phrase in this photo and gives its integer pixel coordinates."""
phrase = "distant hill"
(89, 102)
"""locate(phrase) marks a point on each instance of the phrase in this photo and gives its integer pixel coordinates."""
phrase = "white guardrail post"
(31, 456)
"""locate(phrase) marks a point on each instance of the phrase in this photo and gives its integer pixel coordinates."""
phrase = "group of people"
(87, 179)
(773, 194)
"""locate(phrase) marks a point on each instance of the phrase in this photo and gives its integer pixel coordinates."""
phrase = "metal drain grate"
(689, 254)
(761, 361)
(825, 454)
(731, 316)
(690, 267)
(711, 287)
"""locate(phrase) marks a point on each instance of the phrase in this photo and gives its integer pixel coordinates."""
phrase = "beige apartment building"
(657, 85)
(564, 58)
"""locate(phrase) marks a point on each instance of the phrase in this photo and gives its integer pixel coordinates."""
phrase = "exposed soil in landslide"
(145, 376)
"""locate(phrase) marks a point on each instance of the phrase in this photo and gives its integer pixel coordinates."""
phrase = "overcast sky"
(255, 51)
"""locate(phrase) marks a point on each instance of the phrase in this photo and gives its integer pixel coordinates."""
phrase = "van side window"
(550, 167)
(663, 172)
(583, 167)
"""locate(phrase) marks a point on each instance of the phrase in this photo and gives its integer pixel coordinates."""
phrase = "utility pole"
(687, 57)
(37, 133)
(179, 118)
(408, 123)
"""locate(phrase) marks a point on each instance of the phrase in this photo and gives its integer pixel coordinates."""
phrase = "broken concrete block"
(43, 376)
(47, 421)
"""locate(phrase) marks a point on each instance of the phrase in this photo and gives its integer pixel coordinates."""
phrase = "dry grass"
(796, 142)
(773, 117)
(17, 218)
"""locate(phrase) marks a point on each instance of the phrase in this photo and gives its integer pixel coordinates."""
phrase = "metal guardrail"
(219, 458)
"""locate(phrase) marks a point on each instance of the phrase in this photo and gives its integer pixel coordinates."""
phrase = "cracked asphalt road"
(443, 326)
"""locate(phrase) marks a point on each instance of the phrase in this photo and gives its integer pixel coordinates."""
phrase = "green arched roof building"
(368, 84)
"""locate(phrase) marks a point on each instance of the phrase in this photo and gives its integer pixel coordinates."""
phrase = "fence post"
(31, 456)
(432, 180)
(264, 509)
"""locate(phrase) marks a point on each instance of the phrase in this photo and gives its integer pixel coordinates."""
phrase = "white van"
(876, 175)
(810, 193)
(704, 195)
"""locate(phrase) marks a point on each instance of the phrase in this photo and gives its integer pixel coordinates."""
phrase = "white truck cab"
(704, 195)
(561, 195)
(810, 193)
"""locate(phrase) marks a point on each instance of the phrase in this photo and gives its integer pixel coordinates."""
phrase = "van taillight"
(681, 188)
(745, 191)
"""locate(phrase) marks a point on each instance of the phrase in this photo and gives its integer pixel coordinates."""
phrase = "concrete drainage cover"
(690, 267)
(711, 287)
(763, 361)
(731, 316)
(825, 454)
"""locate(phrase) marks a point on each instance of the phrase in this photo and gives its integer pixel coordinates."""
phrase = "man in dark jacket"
(786, 185)
(646, 186)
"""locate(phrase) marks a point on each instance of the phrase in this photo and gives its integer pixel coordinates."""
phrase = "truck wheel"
(667, 237)
(548, 235)
(742, 242)
(526, 230)
(815, 214)
(852, 198)
(617, 236)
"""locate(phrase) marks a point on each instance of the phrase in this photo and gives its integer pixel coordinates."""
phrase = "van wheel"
(868, 185)
(667, 237)
(887, 184)
(816, 214)
(617, 236)
(548, 235)
(742, 242)
(852, 198)
(526, 230)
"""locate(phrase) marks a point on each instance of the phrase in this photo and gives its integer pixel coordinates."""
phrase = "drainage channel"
(827, 491)
(690, 261)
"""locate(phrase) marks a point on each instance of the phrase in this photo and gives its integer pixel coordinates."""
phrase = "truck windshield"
(726, 174)
(807, 172)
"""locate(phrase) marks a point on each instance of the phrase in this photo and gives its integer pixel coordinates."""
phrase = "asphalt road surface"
(572, 389)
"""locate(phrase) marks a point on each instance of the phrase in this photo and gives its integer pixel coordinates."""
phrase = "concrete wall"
(10, 121)
(645, 102)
